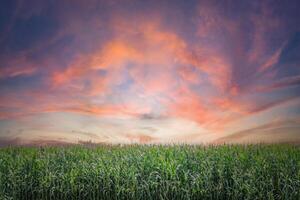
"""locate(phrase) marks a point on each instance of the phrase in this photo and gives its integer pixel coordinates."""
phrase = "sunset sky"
(126, 71)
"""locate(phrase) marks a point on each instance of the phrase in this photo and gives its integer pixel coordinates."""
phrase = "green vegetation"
(151, 172)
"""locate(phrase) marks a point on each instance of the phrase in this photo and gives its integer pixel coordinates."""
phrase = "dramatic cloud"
(147, 71)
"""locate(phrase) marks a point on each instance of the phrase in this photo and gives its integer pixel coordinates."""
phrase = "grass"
(151, 172)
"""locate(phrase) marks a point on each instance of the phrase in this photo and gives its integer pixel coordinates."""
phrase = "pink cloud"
(18, 67)
(145, 65)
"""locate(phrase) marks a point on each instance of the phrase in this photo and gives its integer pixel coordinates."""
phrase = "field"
(151, 172)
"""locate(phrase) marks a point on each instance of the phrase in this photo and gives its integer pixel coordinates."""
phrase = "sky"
(151, 71)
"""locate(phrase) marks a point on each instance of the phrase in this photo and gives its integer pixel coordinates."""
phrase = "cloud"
(140, 138)
(272, 60)
(17, 67)
(187, 104)
(283, 83)
(282, 131)
(89, 134)
(215, 65)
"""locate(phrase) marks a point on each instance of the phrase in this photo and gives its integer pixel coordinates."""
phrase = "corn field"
(151, 172)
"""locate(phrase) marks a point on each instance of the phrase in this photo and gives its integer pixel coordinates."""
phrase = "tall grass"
(151, 172)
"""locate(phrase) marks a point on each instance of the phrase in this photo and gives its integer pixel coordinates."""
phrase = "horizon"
(149, 72)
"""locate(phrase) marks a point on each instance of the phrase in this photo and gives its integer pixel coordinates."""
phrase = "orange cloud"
(184, 103)
(154, 53)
